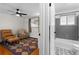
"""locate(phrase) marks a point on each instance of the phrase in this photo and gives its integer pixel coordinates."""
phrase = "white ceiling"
(62, 7)
(34, 8)
(28, 8)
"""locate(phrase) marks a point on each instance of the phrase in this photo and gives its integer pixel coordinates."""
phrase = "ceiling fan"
(17, 13)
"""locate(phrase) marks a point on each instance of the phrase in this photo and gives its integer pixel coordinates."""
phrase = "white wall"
(10, 22)
(25, 25)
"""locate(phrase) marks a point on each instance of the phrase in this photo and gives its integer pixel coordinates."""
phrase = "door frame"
(46, 39)
(52, 29)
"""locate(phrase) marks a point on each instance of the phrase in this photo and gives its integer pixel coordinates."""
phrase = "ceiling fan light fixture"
(17, 15)
(19, 12)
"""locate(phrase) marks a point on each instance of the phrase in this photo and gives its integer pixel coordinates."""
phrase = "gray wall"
(66, 32)
(78, 24)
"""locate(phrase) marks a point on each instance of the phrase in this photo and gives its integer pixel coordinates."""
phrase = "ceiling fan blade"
(12, 14)
(23, 14)
(10, 11)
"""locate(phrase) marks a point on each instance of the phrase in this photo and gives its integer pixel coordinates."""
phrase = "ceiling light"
(17, 15)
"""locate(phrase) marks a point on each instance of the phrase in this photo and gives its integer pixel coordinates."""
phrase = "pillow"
(7, 34)
(23, 34)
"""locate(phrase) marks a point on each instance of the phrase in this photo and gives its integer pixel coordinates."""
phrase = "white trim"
(44, 29)
(41, 41)
(52, 29)
(47, 29)
(47, 18)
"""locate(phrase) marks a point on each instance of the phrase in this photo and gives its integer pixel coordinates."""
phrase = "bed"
(25, 46)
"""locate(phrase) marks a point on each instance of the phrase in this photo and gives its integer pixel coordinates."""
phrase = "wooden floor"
(4, 51)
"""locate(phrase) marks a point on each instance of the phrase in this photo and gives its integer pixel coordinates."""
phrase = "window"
(67, 20)
(33, 23)
(63, 20)
(71, 19)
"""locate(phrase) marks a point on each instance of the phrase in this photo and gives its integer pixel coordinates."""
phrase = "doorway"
(66, 30)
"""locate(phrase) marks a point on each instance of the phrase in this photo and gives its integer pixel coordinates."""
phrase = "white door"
(46, 41)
